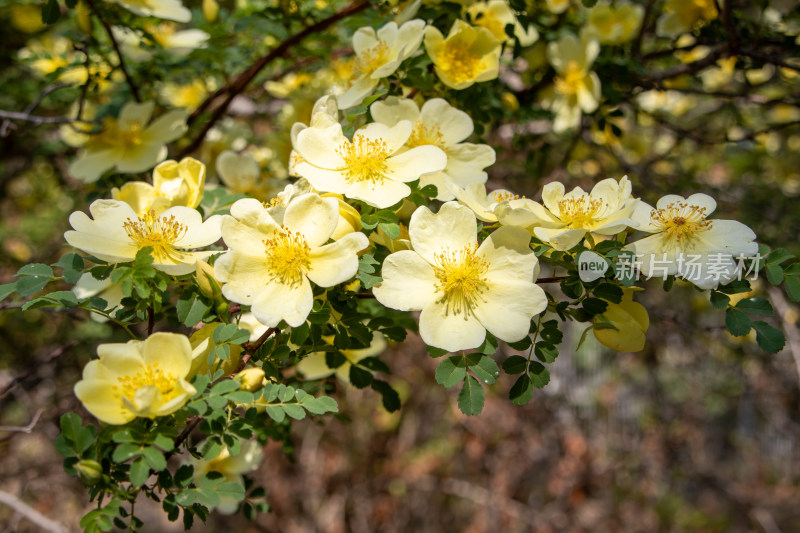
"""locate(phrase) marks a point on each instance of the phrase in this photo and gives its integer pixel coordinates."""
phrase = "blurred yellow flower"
(232, 468)
(139, 378)
(177, 43)
(495, 15)
(187, 95)
(314, 367)
(202, 343)
(173, 184)
(576, 88)
(683, 15)
(613, 24)
(468, 55)
(127, 143)
(630, 320)
(163, 9)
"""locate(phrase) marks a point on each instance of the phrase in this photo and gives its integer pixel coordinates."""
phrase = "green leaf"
(391, 230)
(286, 393)
(190, 312)
(436, 352)
(516, 364)
(470, 399)
(51, 12)
(774, 274)
(451, 371)
(522, 391)
(72, 265)
(540, 376)
(276, 413)
(770, 339)
(792, 284)
(719, 300)
(737, 322)
(155, 458)
(211, 448)
(755, 306)
(359, 377)
(778, 256)
(484, 368)
(299, 334)
(521, 345)
(330, 404)
(736, 286)
(389, 396)
(125, 451)
(609, 292)
(6, 290)
(545, 352)
(139, 472)
(294, 411)
(594, 306)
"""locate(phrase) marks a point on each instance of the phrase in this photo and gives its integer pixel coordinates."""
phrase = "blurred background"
(700, 431)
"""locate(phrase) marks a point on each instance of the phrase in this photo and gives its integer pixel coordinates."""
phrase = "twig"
(792, 333)
(637, 43)
(240, 83)
(25, 429)
(556, 279)
(31, 514)
(716, 53)
(193, 422)
(114, 43)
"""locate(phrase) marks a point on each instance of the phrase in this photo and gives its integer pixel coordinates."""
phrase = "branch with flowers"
(243, 284)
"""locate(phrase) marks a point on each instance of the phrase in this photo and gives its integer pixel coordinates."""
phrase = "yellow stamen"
(370, 60)
(287, 257)
(159, 232)
(149, 375)
(680, 221)
(462, 280)
(423, 135)
(364, 159)
(580, 212)
(503, 196)
(571, 80)
(458, 62)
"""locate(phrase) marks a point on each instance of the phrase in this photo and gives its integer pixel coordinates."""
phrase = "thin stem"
(122, 67)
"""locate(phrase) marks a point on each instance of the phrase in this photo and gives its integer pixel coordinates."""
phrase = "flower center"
(287, 257)
(503, 196)
(159, 232)
(489, 21)
(462, 280)
(580, 212)
(571, 80)
(370, 60)
(364, 159)
(149, 375)
(458, 62)
(423, 135)
(680, 222)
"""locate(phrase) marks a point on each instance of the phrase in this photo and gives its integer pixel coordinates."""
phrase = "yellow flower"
(463, 289)
(177, 43)
(683, 15)
(613, 24)
(576, 88)
(163, 9)
(241, 173)
(565, 219)
(349, 217)
(251, 379)
(27, 18)
(378, 54)
(630, 320)
(684, 242)
(188, 95)
(232, 468)
(174, 184)
(468, 55)
(314, 367)
(210, 10)
(127, 143)
(558, 6)
(372, 167)
(274, 256)
(495, 15)
(117, 233)
(439, 124)
(484, 204)
(140, 378)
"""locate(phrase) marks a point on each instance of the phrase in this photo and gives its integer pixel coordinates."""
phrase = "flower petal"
(508, 307)
(336, 262)
(454, 227)
(276, 302)
(452, 332)
(312, 216)
(409, 283)
(410, 165)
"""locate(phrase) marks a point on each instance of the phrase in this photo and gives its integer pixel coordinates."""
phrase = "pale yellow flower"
(613, 24)
(163, 9)
(27, 17)
(116, 233)
(468, 55)
(630, 321)
(139, 378)
(202, 343)
(565, 219)
(314, 367)
(127, 143)
(232, 468)
(241, 173)
(349, 217)
(187, 95)
(371, 167)
(495, 15)
(439, 124)
(483, 204)
(684, 15)
(378, 54)
(109, 291)
(577, 88)
(179, 43)
(463, 289)
(174, 184)
(684, 242)
(558, 6)
(271, 262)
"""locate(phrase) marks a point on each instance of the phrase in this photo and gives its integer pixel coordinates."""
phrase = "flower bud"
(251, 378)
(89, 471)
(208, 284)
(210, 10)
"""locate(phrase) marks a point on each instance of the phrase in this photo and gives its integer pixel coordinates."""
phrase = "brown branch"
(192, 423)
(637, 43)
(34, 516)
(555, 279)
(240, 83)
(122, 67)
(717, 52)
(25, 429)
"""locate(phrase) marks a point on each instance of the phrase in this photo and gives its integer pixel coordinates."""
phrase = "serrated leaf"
(139, 472)
(545, 352)
(792, 284)
(389, 396)
(737, 322)
(778, 256)
(154, 458)
(451, 371)
(522, 391)
(359, 377)
(755, 306)
(470, 399)
(609, 292)
(125, 451)
(719, 300)
(770, 339)
(774, 274)
(539, 375)
(516, 364)
(211, 448)
(192, 311)
(484, 368)
(329, 403)
(276, 413)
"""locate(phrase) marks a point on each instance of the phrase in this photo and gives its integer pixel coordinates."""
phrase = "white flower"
(483, 204)
(370, 167)
(439, 124)
(463, 289)
(128, 143)
(686, 243)
(576, 88)
(378, 54)
(566, 218)
(177, 43)
(271, 261)
(116, 233)
(163, 9)
(232, 468)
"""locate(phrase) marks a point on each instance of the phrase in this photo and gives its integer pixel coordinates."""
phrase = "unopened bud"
(89, 471)
(210, 10)
(206, 280)
(252, 379)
